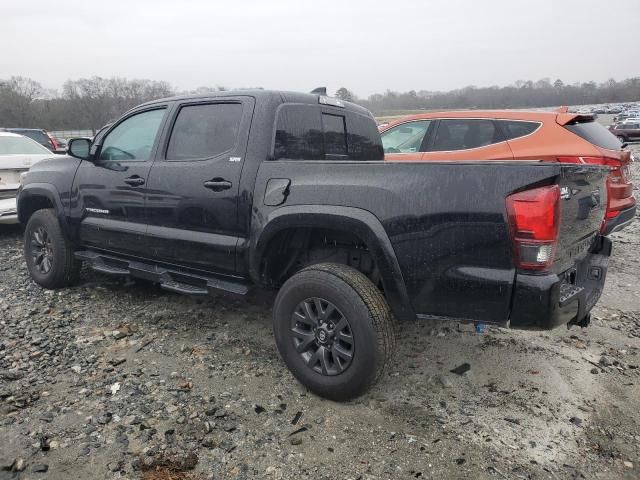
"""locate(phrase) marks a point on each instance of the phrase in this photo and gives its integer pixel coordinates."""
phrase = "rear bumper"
(8, 211)
(624, 218)
(547, 301)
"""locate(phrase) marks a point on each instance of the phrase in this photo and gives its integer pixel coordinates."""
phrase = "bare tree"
(344, 94)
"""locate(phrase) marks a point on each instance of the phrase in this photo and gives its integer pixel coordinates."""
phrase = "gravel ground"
(117, 379)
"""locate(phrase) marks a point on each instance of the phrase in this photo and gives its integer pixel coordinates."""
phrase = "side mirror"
(79, 148)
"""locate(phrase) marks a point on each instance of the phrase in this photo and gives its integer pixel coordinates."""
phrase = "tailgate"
(583, 202)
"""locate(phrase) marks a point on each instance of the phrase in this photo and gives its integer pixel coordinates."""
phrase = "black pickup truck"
(290, 191)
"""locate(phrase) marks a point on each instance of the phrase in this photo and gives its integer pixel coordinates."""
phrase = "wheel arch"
(34, 197)
(354, 221)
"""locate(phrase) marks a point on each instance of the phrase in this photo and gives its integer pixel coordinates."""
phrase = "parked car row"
(55, 145)
(604, 109)
(17, 154)
(631, 114)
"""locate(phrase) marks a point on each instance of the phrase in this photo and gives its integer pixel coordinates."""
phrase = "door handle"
(218, 184)
(134, 181)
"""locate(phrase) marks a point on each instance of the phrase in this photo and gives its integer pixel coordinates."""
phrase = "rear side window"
(304, 132)
(516, 129)
(299, 134)
(204, 131)
(594, 133)
(462, 134)
(363, 138)
(36, 135)
(335, 136)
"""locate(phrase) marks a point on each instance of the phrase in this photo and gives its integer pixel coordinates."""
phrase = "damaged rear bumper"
(550, 300)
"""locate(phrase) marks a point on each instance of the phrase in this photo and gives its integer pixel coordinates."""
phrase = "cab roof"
(278, 96)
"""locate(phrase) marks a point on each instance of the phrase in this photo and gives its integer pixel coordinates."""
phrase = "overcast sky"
(367, 46)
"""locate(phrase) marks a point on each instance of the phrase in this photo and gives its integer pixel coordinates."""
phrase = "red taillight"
(53, 142)
(534, 220)
(619, 185)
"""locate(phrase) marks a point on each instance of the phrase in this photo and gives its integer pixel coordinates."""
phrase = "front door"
(193, 187)
(109, 192)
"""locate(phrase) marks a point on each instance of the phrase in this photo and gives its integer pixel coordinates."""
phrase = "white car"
(17, 154)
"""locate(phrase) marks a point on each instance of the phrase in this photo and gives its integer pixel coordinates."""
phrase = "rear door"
(467, 139)
(109, 193)
(193, 187)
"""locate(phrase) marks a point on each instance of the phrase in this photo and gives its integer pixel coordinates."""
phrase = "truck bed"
(447, 222)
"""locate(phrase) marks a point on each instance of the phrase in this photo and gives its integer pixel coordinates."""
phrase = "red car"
(511, 135)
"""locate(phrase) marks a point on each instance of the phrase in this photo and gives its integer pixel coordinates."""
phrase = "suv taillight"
(54, 144)
(618, 182)
(534, 221)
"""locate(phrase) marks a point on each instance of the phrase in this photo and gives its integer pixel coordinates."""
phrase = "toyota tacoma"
(291, 191)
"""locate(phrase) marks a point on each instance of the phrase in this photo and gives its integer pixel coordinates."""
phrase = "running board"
(170, 279)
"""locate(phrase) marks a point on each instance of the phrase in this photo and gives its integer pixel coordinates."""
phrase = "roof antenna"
(319, 91)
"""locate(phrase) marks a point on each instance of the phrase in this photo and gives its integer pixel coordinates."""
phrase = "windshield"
(20, 146)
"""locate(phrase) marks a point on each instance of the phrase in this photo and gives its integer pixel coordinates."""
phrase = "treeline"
(89, 103)
(522, 94)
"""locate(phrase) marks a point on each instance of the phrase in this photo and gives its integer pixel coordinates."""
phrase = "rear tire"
(334, 330)
(622, 139)
(48, 253)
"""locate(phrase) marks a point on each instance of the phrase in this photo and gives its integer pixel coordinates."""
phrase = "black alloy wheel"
(41, 250)
(333, 329)
(322, 336)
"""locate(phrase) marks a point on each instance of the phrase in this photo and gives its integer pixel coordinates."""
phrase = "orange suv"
(512, 135)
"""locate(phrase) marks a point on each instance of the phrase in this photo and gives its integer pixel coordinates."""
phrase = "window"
(305, 132)
(363, 138)
(204, 131)
(299, 133)
(405, 138)
(21, 146)
(594, 133)
(335, 137)
(37, 135)
(516, 129)
(462, 134)
(133, 139)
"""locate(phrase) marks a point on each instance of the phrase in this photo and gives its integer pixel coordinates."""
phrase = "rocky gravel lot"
(118, 379)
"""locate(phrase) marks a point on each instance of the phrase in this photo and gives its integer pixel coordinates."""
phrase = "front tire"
(48, 253)
(334, 330)
(622, 139)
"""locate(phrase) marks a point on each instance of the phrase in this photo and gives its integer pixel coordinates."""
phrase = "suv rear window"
(305, 132)
(36, 135)
(594, 133)
(516, 129)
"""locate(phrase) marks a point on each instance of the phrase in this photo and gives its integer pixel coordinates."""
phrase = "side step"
(170, 279)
